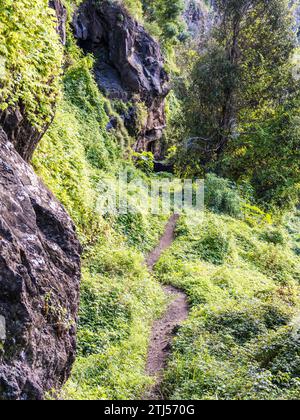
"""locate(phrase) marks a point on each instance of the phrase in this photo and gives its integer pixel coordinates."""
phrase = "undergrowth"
(241, 340)
(239, 268)
(119, 298)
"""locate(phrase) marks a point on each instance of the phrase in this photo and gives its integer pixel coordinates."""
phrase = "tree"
(240, 86)
(167, 14)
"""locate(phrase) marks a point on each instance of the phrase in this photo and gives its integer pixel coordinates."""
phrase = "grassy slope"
(242, 281)
(119, 298)
(241, 340)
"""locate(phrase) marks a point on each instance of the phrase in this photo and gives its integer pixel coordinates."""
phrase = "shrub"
(214, 244)
(277, 263)
(89, 107)
(246, 323)
(276, 236)
(221, 196)
(144, 161)
(182, 228)
(141, 231)
(279, 352)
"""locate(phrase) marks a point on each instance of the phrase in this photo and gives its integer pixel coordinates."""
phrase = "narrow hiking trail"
(164, 329)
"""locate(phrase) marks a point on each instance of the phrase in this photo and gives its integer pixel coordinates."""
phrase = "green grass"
(119, 299)
(240, 341)
(240, 272)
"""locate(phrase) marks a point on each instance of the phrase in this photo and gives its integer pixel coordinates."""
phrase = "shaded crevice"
(51, 227)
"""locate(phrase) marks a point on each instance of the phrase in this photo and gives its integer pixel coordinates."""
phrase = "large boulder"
(39, 282)
(129, 65)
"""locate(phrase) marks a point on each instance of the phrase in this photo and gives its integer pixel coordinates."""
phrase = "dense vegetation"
(241, 101)
(119, 299)
(31, 60)
(236, 102)
(240, 341)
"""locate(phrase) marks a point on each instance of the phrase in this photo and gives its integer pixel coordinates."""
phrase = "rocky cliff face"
(39, 282)
(199, 17)
(21, 133)
(129, 65)
(39, 266)
(61, 15)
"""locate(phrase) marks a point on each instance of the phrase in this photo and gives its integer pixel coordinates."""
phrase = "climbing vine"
(30, 58)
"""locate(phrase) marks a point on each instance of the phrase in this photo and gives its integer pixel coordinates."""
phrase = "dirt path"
(165, 328)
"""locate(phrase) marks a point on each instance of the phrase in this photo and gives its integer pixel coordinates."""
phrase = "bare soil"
(164, 329)
(165, 242)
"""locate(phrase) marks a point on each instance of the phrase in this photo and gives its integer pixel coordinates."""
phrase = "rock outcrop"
(20, 131)
(61, 15)
(129, 65)
(39, 265)
(199, 17)
(39, 282)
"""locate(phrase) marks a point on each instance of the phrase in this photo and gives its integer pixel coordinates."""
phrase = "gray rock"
(61, 14)
(39, 282)
(199, 16)
(20, 131)
(129, 63)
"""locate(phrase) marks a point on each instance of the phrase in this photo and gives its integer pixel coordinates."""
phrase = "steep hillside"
(241, 341)
(80, 148)
(94, 89)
